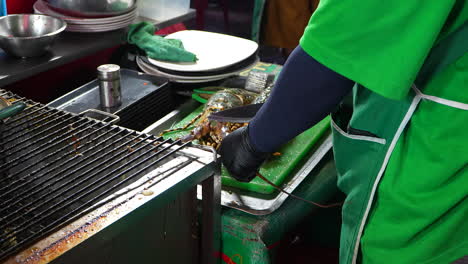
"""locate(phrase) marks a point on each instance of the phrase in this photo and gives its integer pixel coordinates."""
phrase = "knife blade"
(240, 114)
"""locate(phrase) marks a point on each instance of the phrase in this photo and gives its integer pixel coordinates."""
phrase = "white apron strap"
(439, 100)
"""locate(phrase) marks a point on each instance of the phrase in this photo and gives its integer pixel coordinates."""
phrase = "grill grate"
(55, 165)
(143, 113)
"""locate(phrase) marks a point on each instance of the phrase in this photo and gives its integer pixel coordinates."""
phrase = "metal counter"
(69, 47)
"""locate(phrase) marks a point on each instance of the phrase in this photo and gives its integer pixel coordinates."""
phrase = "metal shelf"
(69, 47)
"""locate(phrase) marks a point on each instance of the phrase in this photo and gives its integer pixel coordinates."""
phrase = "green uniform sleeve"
(378, 44)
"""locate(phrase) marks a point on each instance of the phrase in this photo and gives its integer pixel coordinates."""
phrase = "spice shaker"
(257, 81)
(109, 85)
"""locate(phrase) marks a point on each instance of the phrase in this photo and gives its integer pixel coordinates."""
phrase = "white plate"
(213, 50)
(41, 8)
(182, 77)
(151, 71)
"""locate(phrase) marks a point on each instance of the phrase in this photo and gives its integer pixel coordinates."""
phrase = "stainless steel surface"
(115, 209)
(110, 91)
(258, 81)
(172, 118)
(29, 35)
(145, 98)
(250, 202)
(69, 47)
(114, 118)
(93, 8)
(135, 86)
(211, 214)
(149, 234)
(256, 204)
(104, 224)
(108, 72)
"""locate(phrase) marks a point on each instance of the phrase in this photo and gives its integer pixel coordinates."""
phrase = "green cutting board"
(277, 168)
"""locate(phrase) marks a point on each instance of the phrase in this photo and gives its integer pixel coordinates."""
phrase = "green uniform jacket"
(415, 209)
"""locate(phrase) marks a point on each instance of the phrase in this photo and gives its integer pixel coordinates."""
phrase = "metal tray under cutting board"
(249, 201)
(145, 99)
(277, 168)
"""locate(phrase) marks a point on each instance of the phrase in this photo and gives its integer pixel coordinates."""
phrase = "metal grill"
(55, 165)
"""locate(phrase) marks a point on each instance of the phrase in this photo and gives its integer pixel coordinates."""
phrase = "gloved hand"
(239, 156)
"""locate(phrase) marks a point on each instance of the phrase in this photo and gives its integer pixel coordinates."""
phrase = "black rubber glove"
(239, 156)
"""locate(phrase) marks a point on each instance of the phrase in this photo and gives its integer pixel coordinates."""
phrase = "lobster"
(211, 133)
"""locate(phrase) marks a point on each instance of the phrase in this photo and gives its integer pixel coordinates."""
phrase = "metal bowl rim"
(91, 13)
(62, 28)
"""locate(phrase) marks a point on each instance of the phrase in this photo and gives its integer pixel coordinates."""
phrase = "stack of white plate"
(78, 24)
(219, 56)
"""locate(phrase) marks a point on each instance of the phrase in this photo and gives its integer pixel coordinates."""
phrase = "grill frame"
(196, 176)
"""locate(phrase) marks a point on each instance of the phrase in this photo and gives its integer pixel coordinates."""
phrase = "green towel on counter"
(157, 47)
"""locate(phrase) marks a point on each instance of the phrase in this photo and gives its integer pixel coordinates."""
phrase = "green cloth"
(419, 214)
(257, 15)
(157, 47)
(383, 45)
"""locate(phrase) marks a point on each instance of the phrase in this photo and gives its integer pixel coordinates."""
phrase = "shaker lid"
(109, 71)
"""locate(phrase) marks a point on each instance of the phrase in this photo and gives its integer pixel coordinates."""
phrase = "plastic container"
(162, 9)
(3, 8)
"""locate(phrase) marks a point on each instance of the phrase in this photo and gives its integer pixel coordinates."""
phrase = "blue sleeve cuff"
(305, 92)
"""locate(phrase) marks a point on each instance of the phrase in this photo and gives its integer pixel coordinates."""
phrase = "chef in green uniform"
(402, 156)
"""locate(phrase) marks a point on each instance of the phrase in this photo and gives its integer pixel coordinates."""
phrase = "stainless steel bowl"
(29, 35)
(92, 8)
